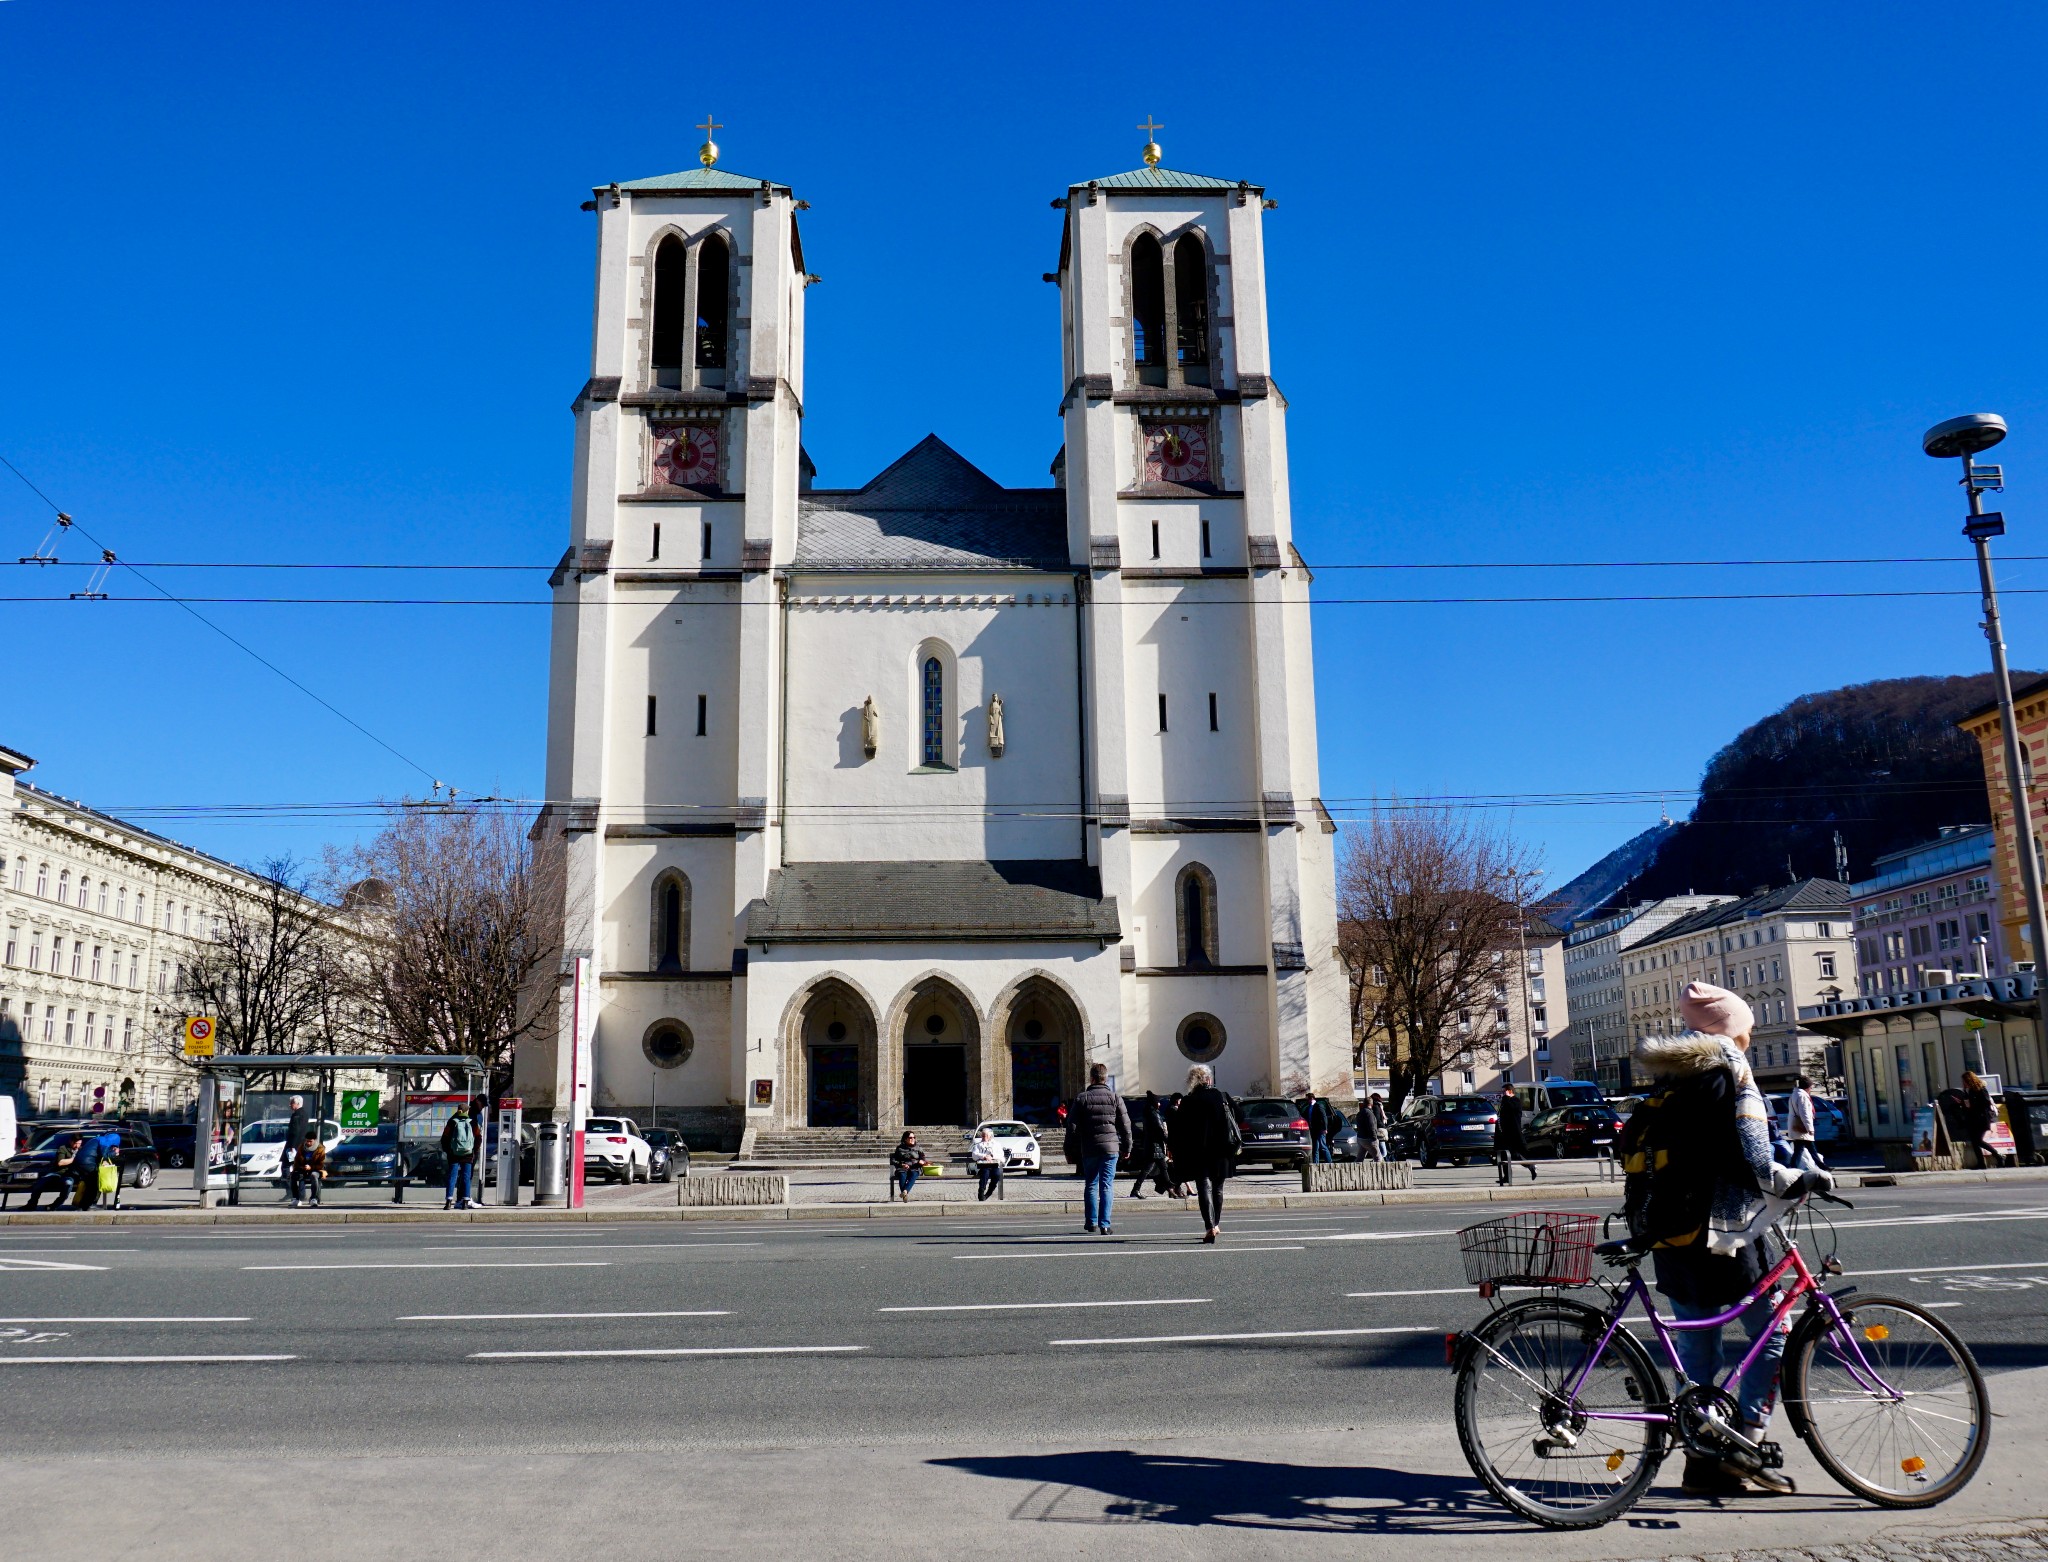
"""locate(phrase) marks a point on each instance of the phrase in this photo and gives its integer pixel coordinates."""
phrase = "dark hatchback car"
(1274, 1131)
(1573, 1131)
(174, 1142)
(368, 1157)
(669, 1157)
(137, 1156)
(1444, 1128)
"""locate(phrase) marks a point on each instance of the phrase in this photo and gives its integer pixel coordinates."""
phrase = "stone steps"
(941, 1143)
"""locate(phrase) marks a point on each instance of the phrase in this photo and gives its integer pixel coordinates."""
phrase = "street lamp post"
(1961, 439)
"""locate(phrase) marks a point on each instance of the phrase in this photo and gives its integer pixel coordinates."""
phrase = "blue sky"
(1556, 283)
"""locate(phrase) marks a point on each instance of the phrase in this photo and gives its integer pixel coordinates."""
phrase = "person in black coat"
(1205, 1142)
(1508, 1147)
(1148, 1147)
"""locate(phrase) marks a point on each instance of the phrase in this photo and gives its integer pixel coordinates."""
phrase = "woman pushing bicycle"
(1713, 1135)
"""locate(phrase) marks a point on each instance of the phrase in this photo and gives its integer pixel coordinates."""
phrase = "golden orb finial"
(707, 154)
(1152, 152)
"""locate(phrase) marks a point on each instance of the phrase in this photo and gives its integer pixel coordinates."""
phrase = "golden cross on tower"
(707, 154)
(1152, 152)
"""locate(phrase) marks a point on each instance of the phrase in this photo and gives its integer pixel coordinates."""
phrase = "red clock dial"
(686, 455)
(1177, 453)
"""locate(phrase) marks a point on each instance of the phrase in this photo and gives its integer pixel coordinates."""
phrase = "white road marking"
(516, 1317)
(255, 1236)
(1932, 1305)
(569, 1263)
(82, 1361)
(12, 1265)
(1379, 1236)
(1012, 1307)
(1448, 1290)
(16, 1252)
(1984, 1217)
(1268, 1334)
(681, 1350)
(579, 1247)
(1131, 1252)
(123, 1320)
(1942, 1269)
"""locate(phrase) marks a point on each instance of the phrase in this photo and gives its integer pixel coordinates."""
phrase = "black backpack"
(1674, 1149)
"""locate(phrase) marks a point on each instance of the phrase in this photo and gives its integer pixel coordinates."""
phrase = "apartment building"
(1507, 1027)
(1782, 949)
(1596, 983)
(1930, 907)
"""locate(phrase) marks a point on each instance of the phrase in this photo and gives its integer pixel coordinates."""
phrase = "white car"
(263, 1146)
(613, 1145)
(1017, 1142)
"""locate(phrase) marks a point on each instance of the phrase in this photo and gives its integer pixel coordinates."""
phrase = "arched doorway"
(1047, 1045)
(941, 1036)
(831, 1059)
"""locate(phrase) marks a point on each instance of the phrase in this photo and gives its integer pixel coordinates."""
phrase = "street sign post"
(201, 1034)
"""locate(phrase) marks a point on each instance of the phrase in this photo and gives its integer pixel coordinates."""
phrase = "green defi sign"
(358, 1109)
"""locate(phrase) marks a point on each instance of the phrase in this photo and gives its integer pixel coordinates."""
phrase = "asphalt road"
(417, 1339)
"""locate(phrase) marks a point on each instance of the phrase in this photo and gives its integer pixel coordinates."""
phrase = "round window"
(1200, 1038)
(935, 1025)
(668, 1043)
(1033, 1030)
(836, 1031)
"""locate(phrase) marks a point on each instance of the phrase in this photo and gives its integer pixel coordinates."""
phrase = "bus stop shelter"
(223, 1089)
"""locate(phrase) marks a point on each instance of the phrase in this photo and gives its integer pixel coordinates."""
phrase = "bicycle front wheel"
(1895, 1408)
(1544, 1452)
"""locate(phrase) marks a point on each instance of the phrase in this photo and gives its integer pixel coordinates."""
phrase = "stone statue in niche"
(870, 727)
(995, 726)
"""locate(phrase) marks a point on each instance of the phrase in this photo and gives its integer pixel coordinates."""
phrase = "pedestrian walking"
(309, 1166)
(1508, 1147)
(1176, 1182)
(1372, 1127)
(986, 1156)
(1706, 1131)
(1102, 1126)
(1978, 1116)
(1148, 1148)
(459, 1145)
(1321, 1124)
(1206, 1140)
(1800, 1132)
(906, 1161)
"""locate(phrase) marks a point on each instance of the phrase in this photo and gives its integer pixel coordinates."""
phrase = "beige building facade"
(1596, 954)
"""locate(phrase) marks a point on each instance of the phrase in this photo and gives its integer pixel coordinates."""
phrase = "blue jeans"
(459, 1173)
(1322, 1149)
(1699, 1352)
(1098, 1188)
(906, 1178)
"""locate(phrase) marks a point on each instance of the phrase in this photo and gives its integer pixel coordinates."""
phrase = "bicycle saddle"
(1621, 1250)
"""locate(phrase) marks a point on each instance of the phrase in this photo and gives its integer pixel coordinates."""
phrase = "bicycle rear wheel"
(1538, 1452)
(1908, 1432)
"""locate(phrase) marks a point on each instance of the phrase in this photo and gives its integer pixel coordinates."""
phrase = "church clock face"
(1177, 452)
(686, 455)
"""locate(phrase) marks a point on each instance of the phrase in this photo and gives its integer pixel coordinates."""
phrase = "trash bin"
(2027, 1112)
(550, 1159)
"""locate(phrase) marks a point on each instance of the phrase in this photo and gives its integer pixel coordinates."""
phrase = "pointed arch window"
(1191, 309)
(690, 338)
(1169, 304)
(932, 685)
(1148, 310)
(669, 951)
(714, 308)
(1195, 916)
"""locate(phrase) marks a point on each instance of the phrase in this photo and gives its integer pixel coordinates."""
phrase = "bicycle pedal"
(1771, 1456)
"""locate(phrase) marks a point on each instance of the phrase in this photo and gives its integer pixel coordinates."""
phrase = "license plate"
(1272, 1136)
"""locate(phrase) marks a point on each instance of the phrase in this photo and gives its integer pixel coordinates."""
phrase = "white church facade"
(903, 803)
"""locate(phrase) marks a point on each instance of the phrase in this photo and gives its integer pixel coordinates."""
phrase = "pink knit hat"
(1714, 1011)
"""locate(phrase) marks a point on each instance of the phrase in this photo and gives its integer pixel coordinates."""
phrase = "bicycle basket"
(1536, 1247)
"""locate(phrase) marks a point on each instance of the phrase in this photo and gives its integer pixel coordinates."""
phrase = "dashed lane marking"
(1132, 1252)
(677, 1350)
(522, 1317)
(123, 1320)
(114, 1361)
(569, 1263)
(1224, 1339)
(1014, 1307)
(12, 1265)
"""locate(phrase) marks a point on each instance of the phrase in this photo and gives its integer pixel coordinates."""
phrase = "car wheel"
(1031, 1171)
(145, 1175)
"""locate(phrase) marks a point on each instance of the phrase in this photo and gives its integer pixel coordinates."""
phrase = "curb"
(1919, 1179)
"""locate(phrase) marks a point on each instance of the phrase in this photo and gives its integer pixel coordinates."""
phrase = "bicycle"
(1565, 1415)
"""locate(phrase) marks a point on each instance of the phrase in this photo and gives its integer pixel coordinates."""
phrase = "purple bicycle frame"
(1865, 1375)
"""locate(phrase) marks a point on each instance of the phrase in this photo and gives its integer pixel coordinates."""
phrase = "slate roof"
(933, 509)
(1165, 180)
(890, 902)
(692, 179)
(1805, 895)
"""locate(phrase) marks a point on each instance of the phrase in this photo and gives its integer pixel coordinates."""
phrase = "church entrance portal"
(941, 1056)
(935, 1084)
(835, 1087)
(1045, 1034)
(831, 1059)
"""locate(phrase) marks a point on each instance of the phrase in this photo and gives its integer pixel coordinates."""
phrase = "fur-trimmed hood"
(1693, 1052)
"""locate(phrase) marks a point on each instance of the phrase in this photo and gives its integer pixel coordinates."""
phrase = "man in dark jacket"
(460, 1143)
(1102, 1124)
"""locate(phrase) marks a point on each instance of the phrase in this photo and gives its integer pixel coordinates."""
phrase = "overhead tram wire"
(113, 558)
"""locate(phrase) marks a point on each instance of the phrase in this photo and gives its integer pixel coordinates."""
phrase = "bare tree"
(461, 912)
(1428, 899)
(272, 972)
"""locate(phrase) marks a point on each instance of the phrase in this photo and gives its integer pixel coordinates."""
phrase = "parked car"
(1274, 1131)
(1021, 1152)
(1346, 1143)
(263, 1147)
(176, 1143)
(1572, 1131)
(137, 1155)
(1830, 1121)
(671, 1155)
(373, 1156)
(1444, 1128)
(613, 1146)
